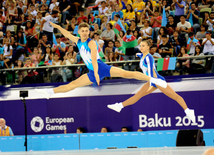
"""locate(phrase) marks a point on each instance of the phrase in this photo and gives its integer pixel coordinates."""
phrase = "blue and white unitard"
(85, 52)
(147, 65)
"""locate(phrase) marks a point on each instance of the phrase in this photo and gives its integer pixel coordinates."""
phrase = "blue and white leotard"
(85, 52)
(147, 65)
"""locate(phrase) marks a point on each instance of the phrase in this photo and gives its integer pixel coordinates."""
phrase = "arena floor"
(131, 151)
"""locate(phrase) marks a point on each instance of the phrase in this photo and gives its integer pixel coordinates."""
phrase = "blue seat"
(96, 13)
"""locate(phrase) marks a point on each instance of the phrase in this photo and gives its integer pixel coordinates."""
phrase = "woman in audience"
(36, 57)
(31, 35)
(162, 31)
(146, 31)
(129, 14)
(183, 64)
(71, 26)
(71, 55)
(9, 37)
(47, 57)
(8, 52)
(117, 12)
(142, 19)
(201, 34)
(20, 46)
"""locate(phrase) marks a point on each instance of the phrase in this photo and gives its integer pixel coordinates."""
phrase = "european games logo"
(37, 124)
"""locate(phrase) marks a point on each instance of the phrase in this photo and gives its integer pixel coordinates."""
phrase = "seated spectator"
(162, 31)
(104, 23)
(146, 31)
(183, 64)
(96, 30)
(36, 56)
(191, 44)
(124, 3)
(43, 9)
(32, 11)
(197, 66)
(176, 43)
(209, 20)
(99, 41)
(80, 130)
(208, 44)
(179, 9)
(1, 46)
(139, 130)
(124, 129)
(60, 47)
(103, 8)
(53, 4)
(31, 76)
(108, 34)
(195, 16)
(56, 61)
(20, 45)
(64, 7)
(119, 52)
(20, 73)
(31, 35)
(165, 49)
(39, 19)
(34, 3)
(149, 9)
(133, 26)
(110, 57)
(183, 27)
(30, 18)
(142, 19)
(2, 18)
(110, 47)
(171, 25)
(57, 73)
(22, 7)
(9, 37)
(4, 129)
(163, 4)
(47, 57)
(70, 56)
(44, 43)
(104, 130)
(8, 52)
(154, 53)
(129, 14)
(201, 34)
(9, 22)
(136, 34)
(71, 26)
(82, 17)
(117, 12)
(12, 10)
(156, 23)
(138, 7)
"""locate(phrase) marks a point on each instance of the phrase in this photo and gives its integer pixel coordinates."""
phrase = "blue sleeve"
(11, 132)
(140, 55)
(121, 14)
(150, 62)
(25, 40)
(63, 45)
(112, 17)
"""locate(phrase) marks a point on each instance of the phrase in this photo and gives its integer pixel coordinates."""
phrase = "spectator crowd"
(28, 40)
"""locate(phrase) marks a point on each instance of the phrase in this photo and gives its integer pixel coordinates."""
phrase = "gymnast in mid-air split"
(147, 65)
(97, 69)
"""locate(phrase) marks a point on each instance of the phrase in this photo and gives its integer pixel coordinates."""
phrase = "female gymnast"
(97, 69)
(148, 67)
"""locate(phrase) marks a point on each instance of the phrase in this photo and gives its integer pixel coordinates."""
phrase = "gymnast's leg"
(132, 100)
(80, 82)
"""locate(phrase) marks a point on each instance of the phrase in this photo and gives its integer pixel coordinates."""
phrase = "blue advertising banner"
(153, 112)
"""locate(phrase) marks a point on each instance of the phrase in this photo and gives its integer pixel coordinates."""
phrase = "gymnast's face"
(84, 33)
(144, 47)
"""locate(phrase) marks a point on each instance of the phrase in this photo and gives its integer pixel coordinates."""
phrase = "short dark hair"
(190, 34)
(128, 32)
(58, 36)
(81, 129)
(111, 41)
(171, 16)
(118, 16)
(164, 36)
(193, 3)
(117, 41)
(182, 16)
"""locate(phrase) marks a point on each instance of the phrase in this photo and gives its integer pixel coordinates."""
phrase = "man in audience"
(156, 23)
(179, 9)
(64, 7)
(124, 129)
(43, 43)
(4, 129)
(104, 130)
(195, 16)
(208, 44)
(165, 49)
(183, 27)
(209, 20)
(60, 46)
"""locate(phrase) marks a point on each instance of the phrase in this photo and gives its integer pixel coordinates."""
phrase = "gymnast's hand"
(97, 78)
(54, 25)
